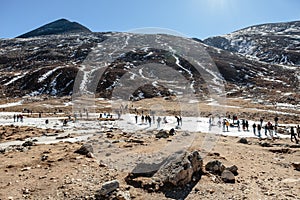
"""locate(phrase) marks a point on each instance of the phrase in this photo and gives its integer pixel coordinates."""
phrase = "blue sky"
(193, 18)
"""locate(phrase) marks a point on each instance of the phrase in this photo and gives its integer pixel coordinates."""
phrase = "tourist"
(298, 131)
(271, 129)
(266, 129)
(142, 118)
(254, 128)
(247, 125)
(14, 117)
(149, 120)
(136, 119)
(158, 122)
(224, 124)
(258, 130)
(238, 125)
(244, 124)
(178, 120)
(276, 121)
(21, 118)
(293, 135)
(227, 125)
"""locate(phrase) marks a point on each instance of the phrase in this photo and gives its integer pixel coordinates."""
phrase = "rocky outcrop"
(177, 170)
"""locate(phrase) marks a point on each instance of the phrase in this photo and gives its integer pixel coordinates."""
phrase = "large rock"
(180, 171)
(227, 176)
(176, 170)
(215, 167)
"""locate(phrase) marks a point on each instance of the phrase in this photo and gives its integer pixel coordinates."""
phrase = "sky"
(191, 18)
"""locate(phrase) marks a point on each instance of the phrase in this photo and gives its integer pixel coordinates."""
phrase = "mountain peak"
(59, 26)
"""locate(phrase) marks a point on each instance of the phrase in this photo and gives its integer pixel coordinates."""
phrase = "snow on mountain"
(276, 43)
(249, 67)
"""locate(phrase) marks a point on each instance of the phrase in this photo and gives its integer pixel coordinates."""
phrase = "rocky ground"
(265, 170)
(180, 166)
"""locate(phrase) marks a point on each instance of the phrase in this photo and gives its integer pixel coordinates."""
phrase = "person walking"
(254, 128)
(149, 120)
(158, 122)
(298, 131)
(14, 117)
(247, 125)
(266, 130)
(244, 125)
(293, 135)
(238, 125)
(178, 120)
(258, 130)
(143, 118)
(136, 119)
(227, 125)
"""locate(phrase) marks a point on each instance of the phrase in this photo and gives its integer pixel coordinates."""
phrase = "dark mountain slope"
(60, 26)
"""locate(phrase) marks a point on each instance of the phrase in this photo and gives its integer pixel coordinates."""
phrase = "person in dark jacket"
(293, 135)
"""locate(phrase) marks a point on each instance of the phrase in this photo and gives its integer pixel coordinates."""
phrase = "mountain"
(273, 43)
(60, 26)
(49, 65)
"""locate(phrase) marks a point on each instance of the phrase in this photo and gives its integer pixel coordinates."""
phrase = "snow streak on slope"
(15, 79)
(47, 74)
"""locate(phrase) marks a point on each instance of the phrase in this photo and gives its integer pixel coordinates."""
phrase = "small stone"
(108, 187)
(215, 167)
(123, 195)
(27, 144)
(227, 176)
(85, 149)
(243, 141)
(25, 169)
(296, 165)
(233, 169)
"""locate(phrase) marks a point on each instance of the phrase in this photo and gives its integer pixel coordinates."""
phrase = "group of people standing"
(18, 117)
(150, 118)
(268, 127)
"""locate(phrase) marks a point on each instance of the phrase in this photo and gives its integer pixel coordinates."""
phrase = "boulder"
(180, 170)
(243, 141)
(85, 149)
(215, 167)
(175, 171)
(227, 176)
